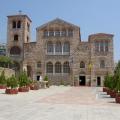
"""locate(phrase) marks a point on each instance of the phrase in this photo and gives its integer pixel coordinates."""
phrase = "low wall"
(8, 72)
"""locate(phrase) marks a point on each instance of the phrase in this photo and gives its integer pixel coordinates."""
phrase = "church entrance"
(98, 81)
(82, 80)
(38, 77)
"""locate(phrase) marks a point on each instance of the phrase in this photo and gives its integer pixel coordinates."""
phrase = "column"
(66, 32)
(62, 49)
(53, 69)
(99, 46)
(62, 69)
(54, 49)
(104, 46)
(25, 67)
(48, 33)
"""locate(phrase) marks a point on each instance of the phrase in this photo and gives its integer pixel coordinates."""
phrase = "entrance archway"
(98, 81)
(39, 76)
(82, 80)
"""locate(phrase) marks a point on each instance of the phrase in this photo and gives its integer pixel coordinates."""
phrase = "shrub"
(12, 82)
(109, 82)
(117, 88)
(117, 77)
(2, 78)
(46, 78)
(23, 80)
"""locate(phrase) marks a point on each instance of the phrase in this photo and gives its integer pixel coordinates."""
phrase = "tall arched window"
(49, 67)
(66, 47)
(66, 67)
(50, 47)
(58, 67)
(15, 50)
(19, 24)
(58, 47)
(102, 64)
(82, 64)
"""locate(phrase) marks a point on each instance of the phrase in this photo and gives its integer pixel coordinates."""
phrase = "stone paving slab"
(59, 103)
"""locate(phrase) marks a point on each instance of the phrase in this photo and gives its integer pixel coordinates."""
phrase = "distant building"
(2, 49)
(59, 52)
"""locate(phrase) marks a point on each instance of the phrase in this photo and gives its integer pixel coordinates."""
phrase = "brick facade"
(80, 52)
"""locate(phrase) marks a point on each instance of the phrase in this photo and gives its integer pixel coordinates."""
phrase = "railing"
(58, 53)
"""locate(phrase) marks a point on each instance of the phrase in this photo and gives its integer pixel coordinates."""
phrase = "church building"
(59, 52)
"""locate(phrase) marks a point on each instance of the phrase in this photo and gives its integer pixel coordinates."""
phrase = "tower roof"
(20, 15)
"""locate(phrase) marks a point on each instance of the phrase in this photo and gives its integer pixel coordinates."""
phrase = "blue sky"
(92, 16)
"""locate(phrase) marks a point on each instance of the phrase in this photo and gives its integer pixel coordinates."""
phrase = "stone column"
(62, 69)
(25, 67)
(99, 46)
(53, 69)
(62, 48)
(54, 49)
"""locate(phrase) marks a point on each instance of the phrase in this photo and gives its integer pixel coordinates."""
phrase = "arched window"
(102, 64)
(82, 64)
(66, 67)
(15, 50)
(58, 47)
(49, 67)
(39, 64)
(19, 24)
(66, 47)
(15, 37)
(50, 47)
(13, 24)
(58, 67)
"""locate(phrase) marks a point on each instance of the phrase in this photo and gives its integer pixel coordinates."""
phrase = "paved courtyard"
(59, 103)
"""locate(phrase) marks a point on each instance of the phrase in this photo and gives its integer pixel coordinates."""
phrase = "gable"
(58, 23)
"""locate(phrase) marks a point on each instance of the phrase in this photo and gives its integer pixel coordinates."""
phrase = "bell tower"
(18, 33)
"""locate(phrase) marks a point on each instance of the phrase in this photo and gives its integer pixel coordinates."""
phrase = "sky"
(92, 16)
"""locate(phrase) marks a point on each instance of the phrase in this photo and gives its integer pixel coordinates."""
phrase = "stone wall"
(8, 72)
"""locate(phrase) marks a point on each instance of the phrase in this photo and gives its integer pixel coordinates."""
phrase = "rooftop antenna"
(20, 12)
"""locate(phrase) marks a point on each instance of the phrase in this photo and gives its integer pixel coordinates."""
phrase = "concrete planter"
(112, 93)
(105, 89)
(2, 86)
(108, 91)
(117, 98)
(44, 84)
(23, 89)
(35, 86)
(11, 91)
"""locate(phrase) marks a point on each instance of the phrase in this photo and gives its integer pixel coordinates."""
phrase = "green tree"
(117, 77)
(2, 78)
(5, 61)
